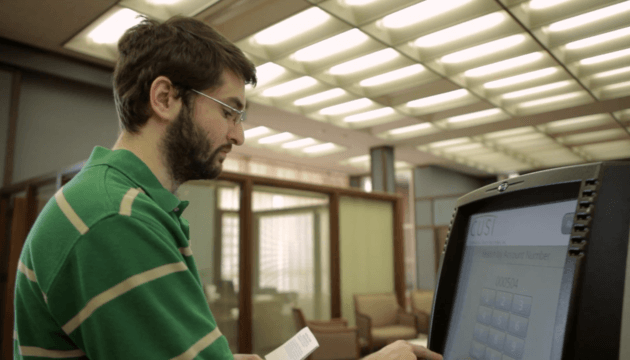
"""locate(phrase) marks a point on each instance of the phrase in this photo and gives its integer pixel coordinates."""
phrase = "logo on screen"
(483, 226)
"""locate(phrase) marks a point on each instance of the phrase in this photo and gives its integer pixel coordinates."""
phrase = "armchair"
(336, 340)
(421, 305)
(380, 320)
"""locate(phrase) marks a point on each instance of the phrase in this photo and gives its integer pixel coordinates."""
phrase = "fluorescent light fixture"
(596, 40)
(317, 98)
(112, 29)
(268, 72)
(358, 2)
(292, 27)
(393, 75)
(461, 148)
(549, 100)
(164, 2)
(319, 148)
(462, 30)
(484, 49)
(590, 17)
(520, 78)
(606, 57)
(273, 139)
(347, 107)
(544, 4)
(504, 65)
(618, 86)
(370, 115)
(474, 116)
(294, 85)
(411, 128)
(364, 62)
(619, 71)
(537, 89)
(299, 143)
(358, 159)
(336, 44)
(444, 143)
(438, 99)
(257, 131)
(420, 12)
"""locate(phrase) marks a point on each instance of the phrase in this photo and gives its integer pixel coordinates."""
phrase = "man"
(107, 271)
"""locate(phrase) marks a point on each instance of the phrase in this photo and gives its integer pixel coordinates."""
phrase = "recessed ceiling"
(487, 87)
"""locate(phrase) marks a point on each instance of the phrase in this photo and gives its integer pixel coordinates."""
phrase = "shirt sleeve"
(125, 291)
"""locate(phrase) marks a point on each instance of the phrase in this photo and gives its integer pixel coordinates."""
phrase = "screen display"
(508, 289)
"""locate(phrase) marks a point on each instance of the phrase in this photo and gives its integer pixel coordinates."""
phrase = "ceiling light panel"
(165, 9)
(553, 103)
(578, 123)
(608, 150)
(100, 38)
(307, 27)
(556, 157)
(486, 53)
(409, 131)
(473, 119)
(607, 17)
(395, 80)
(609, 77)
(422, 18)
(372, 118)
(440, 102)
(595, 136)
(614, 91)
(545, 16)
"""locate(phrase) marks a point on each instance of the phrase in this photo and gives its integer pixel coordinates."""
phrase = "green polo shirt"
(107, 272)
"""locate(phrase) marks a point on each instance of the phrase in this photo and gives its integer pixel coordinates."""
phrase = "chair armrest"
(423, 319)
(336, 344)
(364, 326)
(407, 319)
(331, 322)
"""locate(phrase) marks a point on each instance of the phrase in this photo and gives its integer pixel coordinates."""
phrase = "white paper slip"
(296, 348)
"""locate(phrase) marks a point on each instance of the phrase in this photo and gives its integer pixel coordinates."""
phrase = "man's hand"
(246, 357)
(402, 350)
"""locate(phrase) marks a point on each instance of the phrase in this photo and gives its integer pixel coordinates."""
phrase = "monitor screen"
(509, 284)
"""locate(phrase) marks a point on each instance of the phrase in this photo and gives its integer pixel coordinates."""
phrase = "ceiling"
(482, 86)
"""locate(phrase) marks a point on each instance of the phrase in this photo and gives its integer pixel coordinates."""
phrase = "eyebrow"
(236, 102)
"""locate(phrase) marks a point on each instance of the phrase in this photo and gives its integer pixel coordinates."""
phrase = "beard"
(188, 152)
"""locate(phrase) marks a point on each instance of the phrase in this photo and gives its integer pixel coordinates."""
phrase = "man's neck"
(146, 148)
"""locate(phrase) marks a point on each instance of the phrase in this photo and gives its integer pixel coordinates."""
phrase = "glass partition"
(292, 262)
(213, 214)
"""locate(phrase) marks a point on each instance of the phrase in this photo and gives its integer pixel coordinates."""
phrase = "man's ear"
(162, 99)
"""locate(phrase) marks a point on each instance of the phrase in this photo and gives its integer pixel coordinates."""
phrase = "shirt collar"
(135, 169)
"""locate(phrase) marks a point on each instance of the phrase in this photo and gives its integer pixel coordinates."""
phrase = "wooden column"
(13, 117)
(335, 259)
(399, 252)
(245, 343)
(19, 230)
(4, 251)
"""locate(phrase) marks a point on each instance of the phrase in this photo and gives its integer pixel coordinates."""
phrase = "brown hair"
(185, 50)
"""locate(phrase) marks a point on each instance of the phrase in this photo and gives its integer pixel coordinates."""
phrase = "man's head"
(182, 80)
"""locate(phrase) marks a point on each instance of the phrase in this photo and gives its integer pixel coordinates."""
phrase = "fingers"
(424, 353)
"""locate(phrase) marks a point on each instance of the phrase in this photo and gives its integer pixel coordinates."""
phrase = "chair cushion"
(422, 300)
(386, 334)
(381, 308)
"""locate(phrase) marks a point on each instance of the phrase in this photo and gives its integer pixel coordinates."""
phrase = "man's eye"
(227, 114)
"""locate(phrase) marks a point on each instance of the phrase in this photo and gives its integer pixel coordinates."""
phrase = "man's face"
(196, 144)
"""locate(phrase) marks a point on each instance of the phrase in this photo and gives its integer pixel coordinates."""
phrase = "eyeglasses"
(242, 115)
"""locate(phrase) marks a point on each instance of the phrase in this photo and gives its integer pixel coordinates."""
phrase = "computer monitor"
(534, 268)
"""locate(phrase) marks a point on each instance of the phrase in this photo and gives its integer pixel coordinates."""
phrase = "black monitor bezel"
(528, 190)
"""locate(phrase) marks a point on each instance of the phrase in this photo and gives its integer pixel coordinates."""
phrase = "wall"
(366, 250)
(59, 123)
(5, 102)
(436, 193)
